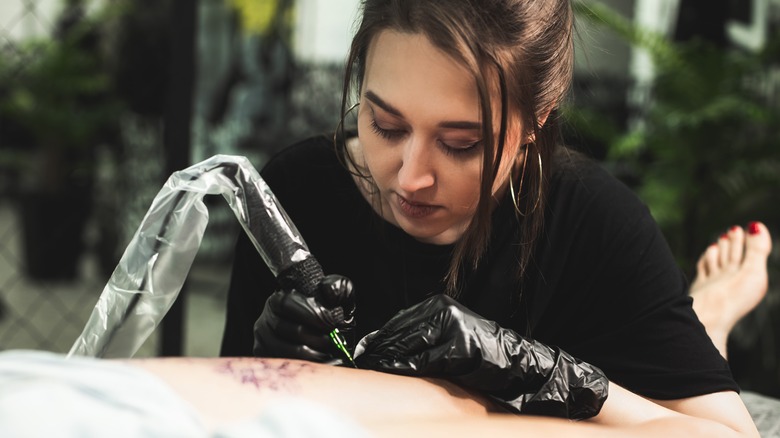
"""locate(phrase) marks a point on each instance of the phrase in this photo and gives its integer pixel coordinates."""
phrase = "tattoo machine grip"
(278, 241)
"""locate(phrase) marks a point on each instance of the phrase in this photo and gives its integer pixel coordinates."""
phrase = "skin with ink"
(264, 374)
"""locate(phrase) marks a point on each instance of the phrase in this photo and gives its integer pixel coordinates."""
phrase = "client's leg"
(231, 389)
(731, 279)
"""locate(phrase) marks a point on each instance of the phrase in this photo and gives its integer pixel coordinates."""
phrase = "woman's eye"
(388, 134)
(461, 148)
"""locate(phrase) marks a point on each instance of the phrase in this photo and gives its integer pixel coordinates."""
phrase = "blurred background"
(100, 101)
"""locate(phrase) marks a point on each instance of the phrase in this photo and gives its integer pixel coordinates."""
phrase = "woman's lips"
(415, 210)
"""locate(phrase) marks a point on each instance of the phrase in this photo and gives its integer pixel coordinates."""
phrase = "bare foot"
(731, 279)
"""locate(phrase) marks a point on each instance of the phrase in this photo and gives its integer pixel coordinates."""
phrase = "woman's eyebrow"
(376, 100)
(471, 126)
(370, 95)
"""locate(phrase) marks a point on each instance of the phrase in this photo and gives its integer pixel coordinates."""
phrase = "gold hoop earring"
(515, 196)
(512, 185)
(354, 105)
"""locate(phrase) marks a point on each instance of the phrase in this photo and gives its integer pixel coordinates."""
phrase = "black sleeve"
(650, 339)
(618, 298)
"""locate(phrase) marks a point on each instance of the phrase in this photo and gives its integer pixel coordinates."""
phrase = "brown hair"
(523, 45)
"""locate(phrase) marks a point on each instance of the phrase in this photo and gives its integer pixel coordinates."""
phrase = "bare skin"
(229, 390)
(731, 279)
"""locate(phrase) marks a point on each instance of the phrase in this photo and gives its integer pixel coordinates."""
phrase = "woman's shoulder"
(312, 160)
(577, 169)
(580, 181)
(309, 170)
(311, 150)
(586, 193)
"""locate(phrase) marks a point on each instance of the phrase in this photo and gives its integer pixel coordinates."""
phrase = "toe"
(724, 250)
(737, 246)
(711, 259)
(758, 242)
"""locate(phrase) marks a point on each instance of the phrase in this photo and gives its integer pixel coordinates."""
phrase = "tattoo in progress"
(265, 374)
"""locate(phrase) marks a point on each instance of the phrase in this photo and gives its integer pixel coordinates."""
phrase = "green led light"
(341, 344)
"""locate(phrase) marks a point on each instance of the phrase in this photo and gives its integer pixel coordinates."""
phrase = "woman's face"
(420, 134)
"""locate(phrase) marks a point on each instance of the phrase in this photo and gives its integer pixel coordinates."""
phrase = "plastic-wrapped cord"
(155, 264)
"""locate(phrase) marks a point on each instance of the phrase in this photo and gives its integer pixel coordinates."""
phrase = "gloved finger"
(420, 327)
(405, 341)
(337, 291)
(440, 308)
(293, 333)
(405, 318)
(428, 362)
(296, 307)
(435, 337)
(275, 337)
(270, 346)
(360, 348)
(405, 352)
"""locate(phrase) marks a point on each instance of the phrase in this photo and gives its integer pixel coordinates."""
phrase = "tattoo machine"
(155, 264)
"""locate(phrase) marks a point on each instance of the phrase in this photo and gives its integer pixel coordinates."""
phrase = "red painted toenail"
(734, 228)
(724, 236)
(753, 228)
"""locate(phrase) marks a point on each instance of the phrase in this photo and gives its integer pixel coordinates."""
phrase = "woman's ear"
(530, 137)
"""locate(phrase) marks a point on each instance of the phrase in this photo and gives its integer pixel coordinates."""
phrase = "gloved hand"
(297, 326)
(441, 338)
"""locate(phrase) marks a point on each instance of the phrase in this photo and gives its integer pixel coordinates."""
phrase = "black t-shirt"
(603, 285)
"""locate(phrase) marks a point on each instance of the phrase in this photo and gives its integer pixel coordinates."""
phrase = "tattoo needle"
(341, 344)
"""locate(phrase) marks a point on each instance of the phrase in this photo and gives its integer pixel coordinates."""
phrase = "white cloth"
(47, 395)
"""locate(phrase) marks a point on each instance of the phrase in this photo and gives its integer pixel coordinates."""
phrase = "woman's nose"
(416, 172)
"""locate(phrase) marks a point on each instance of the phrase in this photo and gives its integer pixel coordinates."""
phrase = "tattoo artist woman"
(480, 249)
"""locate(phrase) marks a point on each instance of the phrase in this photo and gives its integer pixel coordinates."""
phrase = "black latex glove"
(297, 326)
(441, 338)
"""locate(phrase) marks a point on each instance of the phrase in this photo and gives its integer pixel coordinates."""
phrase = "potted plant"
(56, 108)
(706, 152)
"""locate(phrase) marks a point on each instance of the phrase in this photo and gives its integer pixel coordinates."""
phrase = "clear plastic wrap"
(155, 264)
